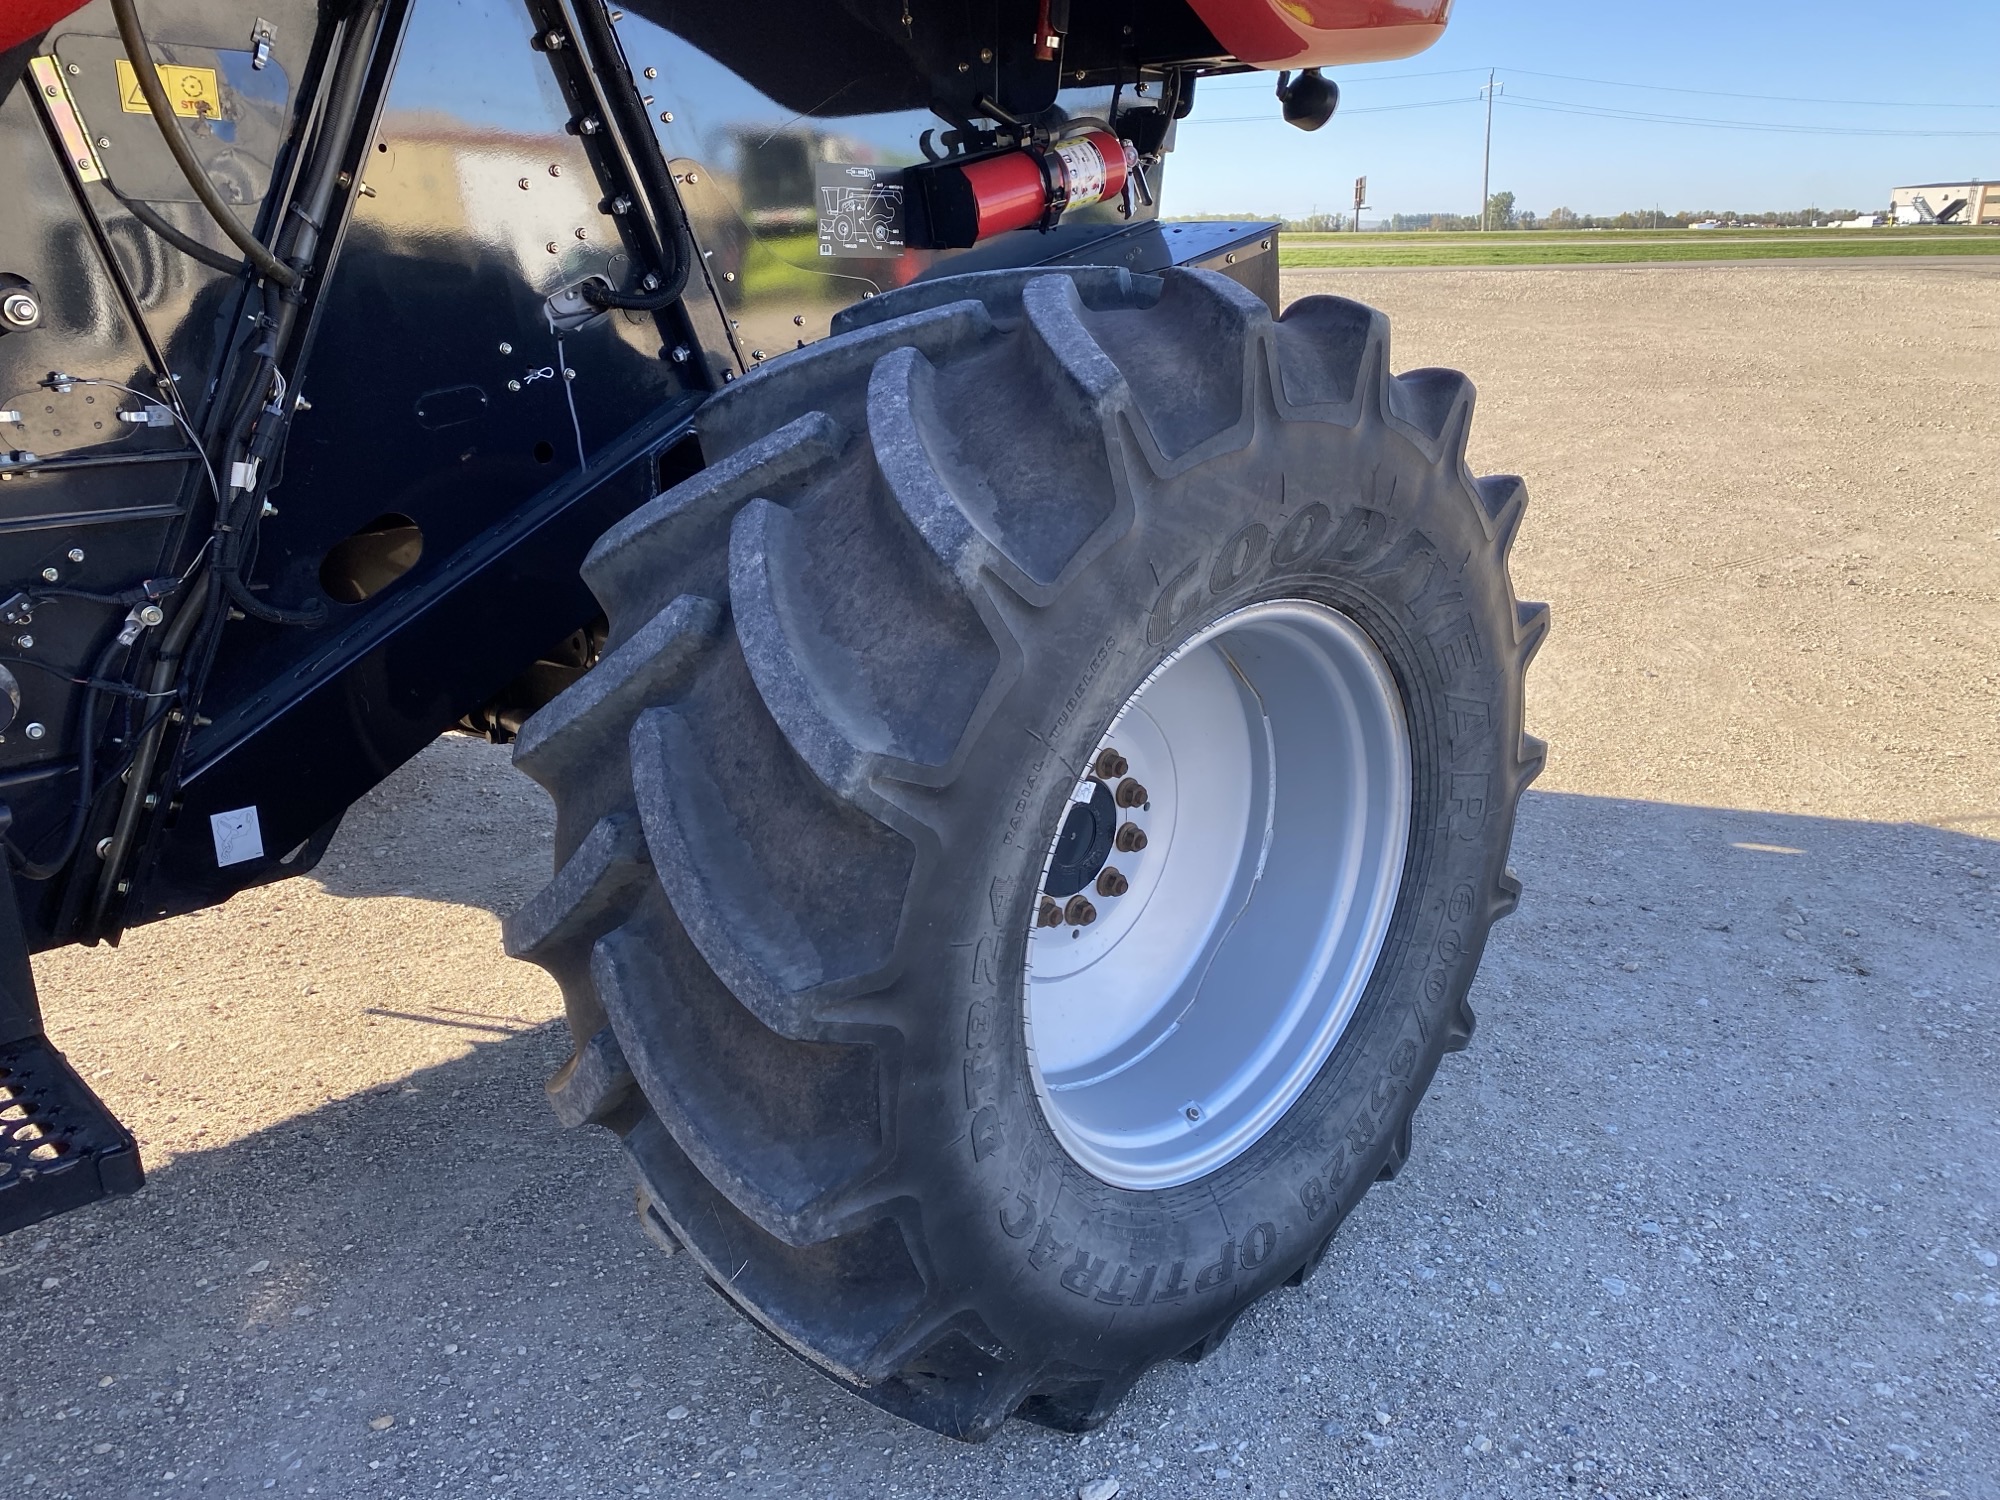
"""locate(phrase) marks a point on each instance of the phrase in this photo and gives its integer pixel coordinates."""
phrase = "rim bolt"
(1130, 838)
(1050, 914)
(1130, 793)
(1111, 883)
(1080, 911)
(1110, 764)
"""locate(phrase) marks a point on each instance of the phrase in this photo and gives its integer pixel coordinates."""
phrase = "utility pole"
(1486, 171)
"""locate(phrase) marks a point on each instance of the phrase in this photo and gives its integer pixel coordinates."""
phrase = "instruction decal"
(860, 210)
(237, 836)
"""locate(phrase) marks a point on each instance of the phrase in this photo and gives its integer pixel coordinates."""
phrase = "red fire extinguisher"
(1028, 187)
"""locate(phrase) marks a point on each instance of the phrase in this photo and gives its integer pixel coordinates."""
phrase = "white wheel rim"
(1171, 1030)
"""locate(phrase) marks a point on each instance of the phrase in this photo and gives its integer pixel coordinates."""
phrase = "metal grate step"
(60, 1148)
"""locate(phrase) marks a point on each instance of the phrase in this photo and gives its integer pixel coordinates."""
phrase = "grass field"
(1626, 246)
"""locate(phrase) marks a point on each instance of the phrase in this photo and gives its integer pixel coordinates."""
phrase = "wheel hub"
(1216, 895)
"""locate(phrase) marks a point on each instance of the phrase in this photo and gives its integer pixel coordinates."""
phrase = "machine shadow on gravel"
(1718, 1153)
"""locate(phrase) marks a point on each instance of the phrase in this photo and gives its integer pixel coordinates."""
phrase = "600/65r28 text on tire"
(1027, 844)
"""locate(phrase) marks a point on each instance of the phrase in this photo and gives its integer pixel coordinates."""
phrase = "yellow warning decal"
(192, 90)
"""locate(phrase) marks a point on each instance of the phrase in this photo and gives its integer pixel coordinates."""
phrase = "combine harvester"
(1035, 735)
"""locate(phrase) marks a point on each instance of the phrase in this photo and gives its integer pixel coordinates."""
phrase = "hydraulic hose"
(173, 647)
(192, 248)
(86, 794)
(621, 101)
(299, 238)
(162, 110)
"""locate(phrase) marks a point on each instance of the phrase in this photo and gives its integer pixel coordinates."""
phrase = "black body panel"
(451, 413)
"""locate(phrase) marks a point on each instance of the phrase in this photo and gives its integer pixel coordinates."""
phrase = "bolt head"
(104, 143)
(551, 247)
(151, 614)
(1079, 912)
(513, 385)
(582, 233)
(568, 373)
(798, 320)
(650, 282)
(1111, 883)
(666, 117)
(103, 847)
(555, 169)
(1109, 764)
(1130, 793)
(1129, 839)
(652, 72)
(76, 554)
(728, 275)
(1050, 914)
(36, 731)
(681, 354)
(50, 575)
(73, 70)
(505, 347)
(21, 309)
(25, 642)
(524, 184)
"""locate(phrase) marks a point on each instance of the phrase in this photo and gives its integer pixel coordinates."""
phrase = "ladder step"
(60, 1148)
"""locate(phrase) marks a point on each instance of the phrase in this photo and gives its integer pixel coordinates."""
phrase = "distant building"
(1946, 203)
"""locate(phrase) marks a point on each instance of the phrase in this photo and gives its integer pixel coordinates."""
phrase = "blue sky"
(1427, 158)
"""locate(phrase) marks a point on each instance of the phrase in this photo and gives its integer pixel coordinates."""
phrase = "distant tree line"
(1502, 213)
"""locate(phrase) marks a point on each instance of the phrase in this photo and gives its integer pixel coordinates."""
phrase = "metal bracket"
(568, 309)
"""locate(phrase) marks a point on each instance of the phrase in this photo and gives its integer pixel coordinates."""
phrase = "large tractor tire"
(1026, 846)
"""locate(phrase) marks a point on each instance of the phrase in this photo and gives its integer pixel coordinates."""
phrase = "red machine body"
(23, 20)
(1024, 188)
(1322, 33)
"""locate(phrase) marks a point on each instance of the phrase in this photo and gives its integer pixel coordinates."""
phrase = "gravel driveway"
(1711, 1208)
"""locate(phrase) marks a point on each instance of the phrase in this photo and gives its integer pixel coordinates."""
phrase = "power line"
(1370, 109)
(1662, 88)
(1213, 86)
(1643, 117)
(1209, 86)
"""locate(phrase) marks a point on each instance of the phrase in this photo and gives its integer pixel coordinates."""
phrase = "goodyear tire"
(858, 672)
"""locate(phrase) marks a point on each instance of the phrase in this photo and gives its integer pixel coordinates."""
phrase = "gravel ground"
(1711, 1208)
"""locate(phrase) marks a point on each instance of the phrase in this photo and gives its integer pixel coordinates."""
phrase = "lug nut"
(1050, 915)
(1111, 883)
(1130, 838)
(1079, 911)
(1110, 764)
(1130, 793)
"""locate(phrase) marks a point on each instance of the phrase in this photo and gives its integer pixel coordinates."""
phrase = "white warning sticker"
(237, 836)
(1084, 169)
